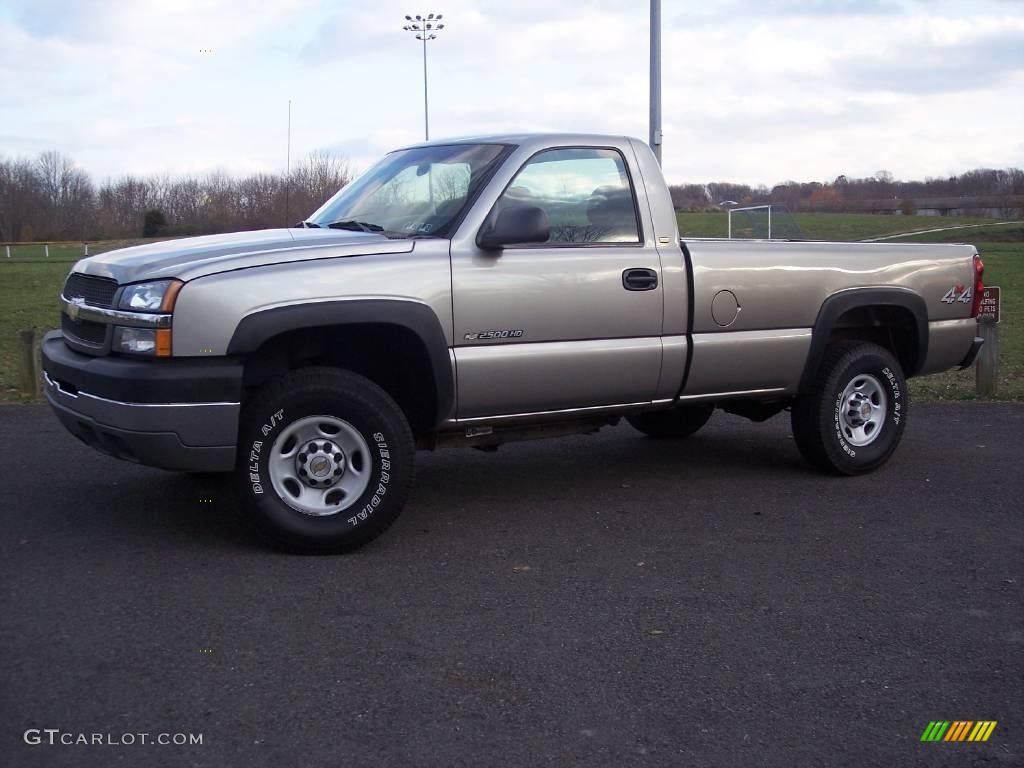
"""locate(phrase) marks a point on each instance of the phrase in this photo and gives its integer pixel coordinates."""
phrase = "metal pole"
(426, 114)
(288, 166)
(46, 250)
(8, 251)
(425, 28)
(769, 222)
(730, 224)
(655, 119)
(986, 372)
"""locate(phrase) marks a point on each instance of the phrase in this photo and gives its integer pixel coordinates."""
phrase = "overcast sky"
(759, 91)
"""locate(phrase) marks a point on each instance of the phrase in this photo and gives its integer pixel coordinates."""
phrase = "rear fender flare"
(838, 304)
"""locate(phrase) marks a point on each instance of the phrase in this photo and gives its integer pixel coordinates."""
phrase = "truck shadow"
(618, 471)
(591, 470)
(623, 453)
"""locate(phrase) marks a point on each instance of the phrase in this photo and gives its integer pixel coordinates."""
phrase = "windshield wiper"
(309, 224)
(356, 226)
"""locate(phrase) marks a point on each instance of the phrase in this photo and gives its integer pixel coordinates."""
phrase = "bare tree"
(67, 196)
(20, 199)
(315, 180)
(51, 198)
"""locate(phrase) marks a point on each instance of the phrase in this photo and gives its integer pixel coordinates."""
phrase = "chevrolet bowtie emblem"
(74, 307)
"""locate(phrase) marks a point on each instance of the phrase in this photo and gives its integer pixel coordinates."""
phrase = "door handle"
(638, 279)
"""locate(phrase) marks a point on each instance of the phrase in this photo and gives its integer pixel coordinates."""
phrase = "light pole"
(655, 120)
(425, 28)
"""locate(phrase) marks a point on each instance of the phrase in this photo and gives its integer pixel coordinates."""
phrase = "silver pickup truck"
(479, 291)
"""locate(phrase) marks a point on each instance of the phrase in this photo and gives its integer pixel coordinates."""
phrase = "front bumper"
(179, 413)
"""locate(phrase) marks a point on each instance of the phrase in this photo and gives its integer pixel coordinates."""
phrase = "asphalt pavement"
(604, 600)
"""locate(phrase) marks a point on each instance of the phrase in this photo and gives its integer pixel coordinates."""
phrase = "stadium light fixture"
(424, 28)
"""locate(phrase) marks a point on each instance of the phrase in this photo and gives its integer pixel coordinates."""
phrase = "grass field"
(830, 226)
(68, 252)
(28, 299)
(30, 283)
(1012, 232)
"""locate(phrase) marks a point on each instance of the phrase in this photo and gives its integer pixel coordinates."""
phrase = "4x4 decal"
(958, 293)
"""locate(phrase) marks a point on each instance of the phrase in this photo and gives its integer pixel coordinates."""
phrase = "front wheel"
(852, 419)
(325, 461)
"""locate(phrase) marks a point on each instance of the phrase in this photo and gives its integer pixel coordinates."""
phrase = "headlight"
(153, 342)
(157, 296)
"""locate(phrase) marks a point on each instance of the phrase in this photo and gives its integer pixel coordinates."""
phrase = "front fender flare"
(257, 328)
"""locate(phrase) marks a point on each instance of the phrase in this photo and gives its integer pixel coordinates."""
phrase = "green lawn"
(64, 251)
(30, 284)
(1012, 232)
(828, 226)
(28, 298)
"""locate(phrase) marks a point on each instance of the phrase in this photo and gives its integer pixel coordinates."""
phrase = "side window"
(585, 192)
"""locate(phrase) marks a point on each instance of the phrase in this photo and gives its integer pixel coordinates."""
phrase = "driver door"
(571, 323)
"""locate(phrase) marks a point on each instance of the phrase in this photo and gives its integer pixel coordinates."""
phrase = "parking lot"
(602, 600)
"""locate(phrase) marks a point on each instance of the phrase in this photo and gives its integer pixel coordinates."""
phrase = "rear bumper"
(157, 413)
(976, 346)
(948, 342)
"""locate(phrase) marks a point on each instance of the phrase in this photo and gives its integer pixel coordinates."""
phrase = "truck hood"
(192, 257)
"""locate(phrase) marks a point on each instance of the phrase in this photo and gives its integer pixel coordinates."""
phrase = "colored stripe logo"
(958, 730)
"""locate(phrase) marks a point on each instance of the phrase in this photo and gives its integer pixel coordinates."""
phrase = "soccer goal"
(763, 222)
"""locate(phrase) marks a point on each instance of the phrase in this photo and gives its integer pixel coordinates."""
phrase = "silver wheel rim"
(862, 410)
(320, 465)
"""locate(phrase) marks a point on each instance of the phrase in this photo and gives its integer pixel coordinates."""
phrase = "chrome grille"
(96, 291)
(84, 331)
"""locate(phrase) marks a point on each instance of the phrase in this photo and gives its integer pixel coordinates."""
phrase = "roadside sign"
(990, 304)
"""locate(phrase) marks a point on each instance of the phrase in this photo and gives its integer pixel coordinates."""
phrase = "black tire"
(374, 416)
(675, 423)
(821, 429)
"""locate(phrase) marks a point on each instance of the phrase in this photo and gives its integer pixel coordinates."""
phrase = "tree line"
(839, 194)
(51, 198)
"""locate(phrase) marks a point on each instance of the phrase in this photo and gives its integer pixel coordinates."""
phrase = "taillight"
(979, 285)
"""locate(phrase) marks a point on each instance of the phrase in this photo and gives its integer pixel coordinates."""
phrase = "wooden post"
(986, 371)
(46, 250)
(27, 361)
(8, 251)
(85, 246)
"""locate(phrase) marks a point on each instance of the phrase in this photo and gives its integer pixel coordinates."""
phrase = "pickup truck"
(479, 291)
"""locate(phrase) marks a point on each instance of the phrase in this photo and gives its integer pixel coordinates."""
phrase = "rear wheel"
(325, 461)
(681, 421)
(852, 419)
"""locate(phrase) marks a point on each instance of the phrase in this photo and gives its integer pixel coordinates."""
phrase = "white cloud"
(753, 91)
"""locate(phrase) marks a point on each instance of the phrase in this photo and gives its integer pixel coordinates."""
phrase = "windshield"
(412, 192)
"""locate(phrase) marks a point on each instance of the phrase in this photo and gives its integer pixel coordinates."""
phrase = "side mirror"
(515, 224)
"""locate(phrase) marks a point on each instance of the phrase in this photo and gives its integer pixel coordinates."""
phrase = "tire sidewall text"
(258, 446)
(877, 450)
